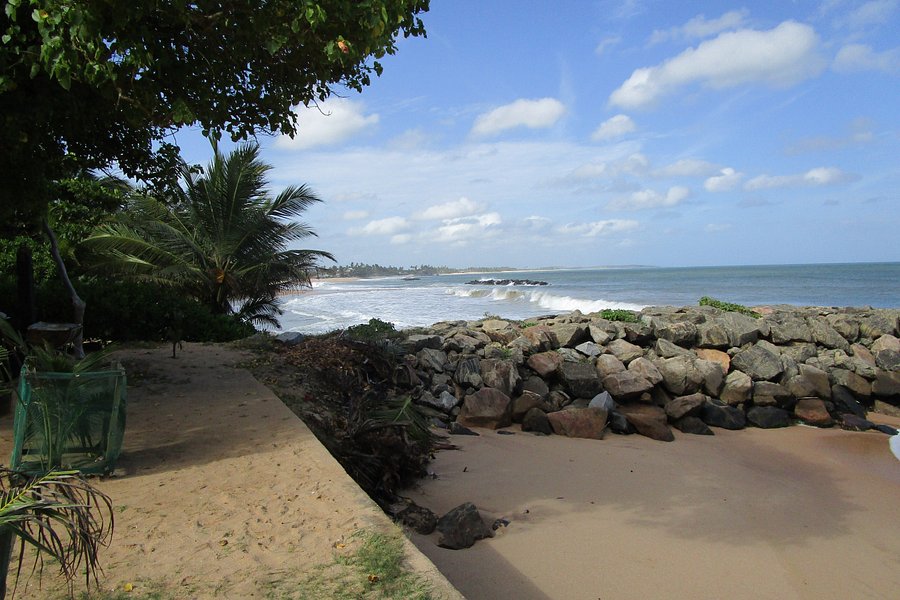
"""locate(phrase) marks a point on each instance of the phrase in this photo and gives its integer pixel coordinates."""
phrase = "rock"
(886, 384)
(556, 400)
(579, 423)
(825, 335)
(863, 353)
(716, 356)
(888, 360)
(571, 355)
(853, 382)
(886, 342)
(800, 352)
(468, 372)
(540, 338)
(290, 338)
(570, 335)
(846, 402)
(850, 422)
(846, 327)
(626, 385)
(624, 351)
(685, 406)
(589, 349)
(759, 361)
(619, 425)
(580, 379)
(416, 342)
(599, 334)
(737, 389)
(523, 403)
(681, 333)
(885, 429)
(536, 385)
(766, 393)
(812, 411)
(464, 343)
(457, 429)
(488, 407)
(432, 359)
(711, 375)
(768, 417)
(637, 333)
(679, 375)
(693, 425)
(649, 421)
(502, 375)
(544, 363)
(713, 335)
(667, 349)
(717, 414)
(445, 402)
(418, 518)
(462, 527)
(810, 382)
(790, 329)
(536, 421)
(607, 364)
(603, 401)
(646, 369)
(499, 331)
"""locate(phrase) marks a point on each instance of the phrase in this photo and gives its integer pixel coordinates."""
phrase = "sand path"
(792, 513)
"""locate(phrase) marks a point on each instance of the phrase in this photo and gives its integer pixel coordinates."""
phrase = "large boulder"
(579, 422)
(488, 407)
(685, 406)
(626, 385)
(737, 389)
(580, 380)
(790, 329)
(536, 421)
(886, 384)
(607, 364)
(826, 335)
(603, 400)
(523, 403)
(544, 363)
(679, 375)
(760, 361)
(416, 342)
(646, 369)
(536, 385)
(667, 349)
(570, 335)
(692, 425)
(717, 414)
(860, 387)
(501, 374)
(711, 375)
(810, 381)
(444, 402)
(768, 417)
(682, 333)
(462, 527)
(766, 393)
(716, 356)
(649, 421)
(624, 351)
(499, 331)
(812, 411)
(540, 338)
(432, 360)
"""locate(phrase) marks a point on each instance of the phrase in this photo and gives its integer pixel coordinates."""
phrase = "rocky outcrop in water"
(527, 282)
(691, 368)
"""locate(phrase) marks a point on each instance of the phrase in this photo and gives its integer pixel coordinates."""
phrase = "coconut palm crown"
(221, 238)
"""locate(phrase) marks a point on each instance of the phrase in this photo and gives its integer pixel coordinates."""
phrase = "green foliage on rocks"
(625, 316)
(728, 307)
(374, 331)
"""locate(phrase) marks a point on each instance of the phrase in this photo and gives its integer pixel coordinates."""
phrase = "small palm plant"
(60, 515)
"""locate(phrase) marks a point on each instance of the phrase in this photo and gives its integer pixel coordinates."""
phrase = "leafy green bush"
(373, 331)
(130, 311)
(617, 314)
(728, 307)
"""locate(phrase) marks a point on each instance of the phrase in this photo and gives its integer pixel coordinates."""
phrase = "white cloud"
(614, 127)
(534, 114)
(449, 210)
(876, 12)
(717, 227)
(536, 223)
(814, 177)
(401, 238)
(387, 226)
(597, 228)
(355, 215)
(606, 43)
(859, 57)
(333, 122)
(781, 56)
(701, 27)
(647, 198)
(463, 229)
(634, 164)
(687, 167)
(728, 179)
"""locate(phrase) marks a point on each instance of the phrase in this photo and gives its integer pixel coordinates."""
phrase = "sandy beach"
(790, 513)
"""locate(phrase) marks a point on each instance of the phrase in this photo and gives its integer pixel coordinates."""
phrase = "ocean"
(406, 303)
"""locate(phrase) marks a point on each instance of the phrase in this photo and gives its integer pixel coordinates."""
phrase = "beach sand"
(790, 513)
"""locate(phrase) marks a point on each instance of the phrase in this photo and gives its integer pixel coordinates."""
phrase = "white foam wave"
(555, 303)
(894, 441)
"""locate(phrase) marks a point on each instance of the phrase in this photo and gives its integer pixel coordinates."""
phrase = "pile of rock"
(690, 368)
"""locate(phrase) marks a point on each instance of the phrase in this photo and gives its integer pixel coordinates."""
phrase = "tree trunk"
(25, 307)
(77, 303)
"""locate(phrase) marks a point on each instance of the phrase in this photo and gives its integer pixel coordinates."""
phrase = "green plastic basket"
(69, 420)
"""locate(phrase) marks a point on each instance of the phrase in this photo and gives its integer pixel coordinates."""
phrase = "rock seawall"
(692, 368)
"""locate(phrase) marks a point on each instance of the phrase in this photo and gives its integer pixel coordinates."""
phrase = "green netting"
(69, 420)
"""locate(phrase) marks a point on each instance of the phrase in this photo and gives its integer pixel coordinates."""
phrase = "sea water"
(407, 303)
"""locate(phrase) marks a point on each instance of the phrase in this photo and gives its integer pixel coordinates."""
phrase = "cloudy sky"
(529, 133)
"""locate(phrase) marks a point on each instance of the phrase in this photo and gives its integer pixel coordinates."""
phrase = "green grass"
(625, 316)
(376, 570)
(728, 307)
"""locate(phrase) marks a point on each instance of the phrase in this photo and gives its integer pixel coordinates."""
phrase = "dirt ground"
(221, 491)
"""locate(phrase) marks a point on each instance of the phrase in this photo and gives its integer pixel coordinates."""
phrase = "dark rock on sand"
(768, 417)
(418, 518)
(462, 527)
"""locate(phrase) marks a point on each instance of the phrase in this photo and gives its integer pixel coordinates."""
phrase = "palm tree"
(61, 515)
(221, 239)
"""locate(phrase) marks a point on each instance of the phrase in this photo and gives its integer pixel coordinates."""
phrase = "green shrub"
(617, 314)
(373, 331)
(728, 307)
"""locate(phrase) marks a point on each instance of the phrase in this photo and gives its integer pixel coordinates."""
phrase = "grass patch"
(728, 307)
(618, 314)
(375, 570)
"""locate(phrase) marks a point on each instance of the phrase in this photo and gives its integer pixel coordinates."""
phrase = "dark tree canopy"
(107, 81)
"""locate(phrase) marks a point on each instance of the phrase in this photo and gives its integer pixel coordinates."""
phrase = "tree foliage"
(221, 240)
(108, 82)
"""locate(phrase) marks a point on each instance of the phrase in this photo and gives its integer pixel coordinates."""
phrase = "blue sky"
(530, 133)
